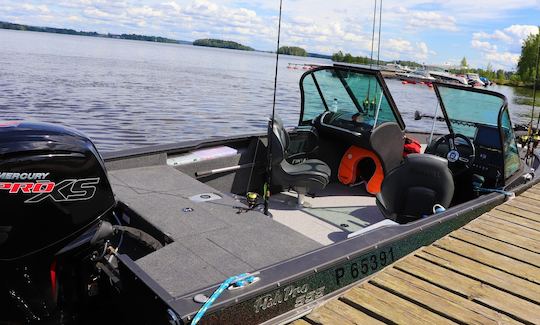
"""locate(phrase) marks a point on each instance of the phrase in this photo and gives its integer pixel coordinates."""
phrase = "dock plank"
(525, 200)
(324, 315)
(501, 262)
(508, 217)
(338, 312)
(391, 307)
(518, 212)
(498, 246)
(423, 293)
(531, 195)
(517, 230)
(474, 290)
(503, 235)
(481, 272)
(487, 272)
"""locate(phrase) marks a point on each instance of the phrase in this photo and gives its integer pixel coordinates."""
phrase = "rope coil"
(235, 282)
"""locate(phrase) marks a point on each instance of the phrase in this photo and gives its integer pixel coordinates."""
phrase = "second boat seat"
(411, 190)
(309, 176)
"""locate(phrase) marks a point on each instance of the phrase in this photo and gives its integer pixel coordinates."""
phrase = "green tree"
(338, 57)
(501, 75)
(292, 50)
(489, 73)
(526, 68)
(221, 44)
(464, 65)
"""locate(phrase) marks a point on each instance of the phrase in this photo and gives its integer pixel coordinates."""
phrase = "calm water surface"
(125, 94)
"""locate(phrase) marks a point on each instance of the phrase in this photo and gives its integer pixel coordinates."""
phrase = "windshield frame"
(339, 68)
(504, 108)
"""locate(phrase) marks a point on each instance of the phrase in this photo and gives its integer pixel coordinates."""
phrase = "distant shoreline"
(67, 31)
(134, 37)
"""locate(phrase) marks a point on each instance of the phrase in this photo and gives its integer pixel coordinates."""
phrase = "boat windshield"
(347, 93)
(484, 117)
(467, 109)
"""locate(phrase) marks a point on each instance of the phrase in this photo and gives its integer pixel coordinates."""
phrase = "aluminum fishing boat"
(249, 229)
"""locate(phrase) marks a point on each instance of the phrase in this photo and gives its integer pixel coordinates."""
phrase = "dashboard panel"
(346, 127)
(489, 160)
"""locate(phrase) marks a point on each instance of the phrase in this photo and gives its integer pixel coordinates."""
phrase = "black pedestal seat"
(412, 189)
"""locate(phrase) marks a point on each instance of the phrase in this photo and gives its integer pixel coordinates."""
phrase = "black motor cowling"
(53, 186)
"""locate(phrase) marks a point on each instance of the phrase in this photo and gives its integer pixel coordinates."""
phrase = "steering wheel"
(459, 159)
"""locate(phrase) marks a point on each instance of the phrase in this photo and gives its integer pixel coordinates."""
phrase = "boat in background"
(473, 79)
(446, 76)
(418, 76)
(302, 66)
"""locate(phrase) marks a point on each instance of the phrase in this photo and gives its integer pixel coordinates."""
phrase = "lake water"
(125, 94)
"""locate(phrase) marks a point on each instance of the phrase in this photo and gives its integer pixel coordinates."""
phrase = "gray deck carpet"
(212, 242)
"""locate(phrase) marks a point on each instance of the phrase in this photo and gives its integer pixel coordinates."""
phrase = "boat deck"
(487, 272)
(211, 240)
(329, 217)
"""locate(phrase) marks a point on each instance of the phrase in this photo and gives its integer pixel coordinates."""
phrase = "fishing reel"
(252, 201)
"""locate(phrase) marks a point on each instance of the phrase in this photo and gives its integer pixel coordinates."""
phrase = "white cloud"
(522, 31)
(505, 59)
(431, 20)
(510, 39)
(144, 11)
(404, 49)
(512, 34)
(43, 9)
(483, 45)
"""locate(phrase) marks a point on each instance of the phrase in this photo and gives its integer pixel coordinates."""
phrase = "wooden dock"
(487, 272)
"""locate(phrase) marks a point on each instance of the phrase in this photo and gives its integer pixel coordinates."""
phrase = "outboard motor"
(53, 192)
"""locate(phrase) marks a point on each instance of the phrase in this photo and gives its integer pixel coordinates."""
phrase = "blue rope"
(493, 190)
(237, 281)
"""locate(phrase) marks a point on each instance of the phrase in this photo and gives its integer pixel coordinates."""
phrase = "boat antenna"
(373, 33)
(372, 48)
(380, 27)
(377, 105)
(269, 168)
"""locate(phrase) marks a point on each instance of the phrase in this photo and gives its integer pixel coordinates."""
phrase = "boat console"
(489, 157)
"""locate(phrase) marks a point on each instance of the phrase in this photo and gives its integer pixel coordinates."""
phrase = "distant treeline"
(6, 25)
(292, 50)
(349, 58)
(222, 44)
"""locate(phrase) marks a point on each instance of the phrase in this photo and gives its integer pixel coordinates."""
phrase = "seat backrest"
(414, 187)
(387, 141)
(279, 140)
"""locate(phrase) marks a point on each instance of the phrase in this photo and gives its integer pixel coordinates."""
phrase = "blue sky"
(435, 32)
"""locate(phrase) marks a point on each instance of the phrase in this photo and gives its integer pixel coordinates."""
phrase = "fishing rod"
(531, 142)
(536, 79)
(418, 116)
(266, 194)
